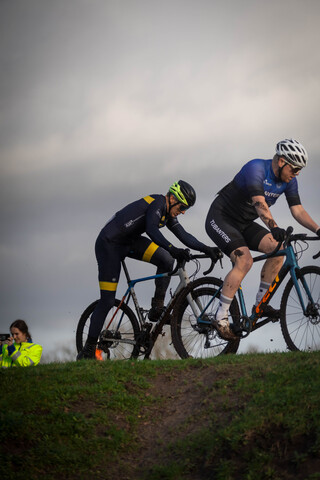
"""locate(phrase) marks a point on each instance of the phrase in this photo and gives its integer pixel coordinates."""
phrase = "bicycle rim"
(302, 331)
(189, 339)
(118, 342)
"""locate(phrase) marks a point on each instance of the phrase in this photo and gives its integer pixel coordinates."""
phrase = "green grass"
(233, 417)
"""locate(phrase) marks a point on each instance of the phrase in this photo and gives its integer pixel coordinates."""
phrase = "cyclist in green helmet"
(122, 237)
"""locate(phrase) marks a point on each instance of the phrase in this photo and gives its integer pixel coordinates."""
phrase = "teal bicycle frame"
(290, 265)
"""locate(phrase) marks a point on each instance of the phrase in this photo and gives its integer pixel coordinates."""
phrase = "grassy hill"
(233, 417)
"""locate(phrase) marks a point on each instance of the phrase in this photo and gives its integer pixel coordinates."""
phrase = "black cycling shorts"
(228, 233)
(109, 255)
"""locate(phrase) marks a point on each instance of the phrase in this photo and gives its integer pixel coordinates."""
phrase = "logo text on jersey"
(219, 231)
(272, 194)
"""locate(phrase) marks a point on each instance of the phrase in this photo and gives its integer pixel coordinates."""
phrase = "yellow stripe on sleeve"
(111, 286)
(148, 199)
(149, 252)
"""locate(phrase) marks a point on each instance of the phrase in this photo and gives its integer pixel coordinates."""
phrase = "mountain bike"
(128, 333)
(194, 336)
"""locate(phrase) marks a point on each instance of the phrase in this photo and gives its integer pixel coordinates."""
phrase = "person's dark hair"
(22, 326)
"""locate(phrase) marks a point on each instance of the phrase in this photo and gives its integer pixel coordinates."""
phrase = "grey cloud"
(104, 101)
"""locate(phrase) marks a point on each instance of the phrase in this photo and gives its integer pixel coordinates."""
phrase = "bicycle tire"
(301, 332)
(188, 341)
(128, 330)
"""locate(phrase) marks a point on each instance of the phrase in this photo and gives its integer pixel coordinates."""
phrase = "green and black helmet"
(184, 193)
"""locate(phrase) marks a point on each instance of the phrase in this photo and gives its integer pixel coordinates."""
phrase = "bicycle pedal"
(246, 326)
(267, 311)
(236, 329)
(274, 320)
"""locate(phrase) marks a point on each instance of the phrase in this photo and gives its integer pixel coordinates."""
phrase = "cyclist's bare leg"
(271, 266)
(242, 262)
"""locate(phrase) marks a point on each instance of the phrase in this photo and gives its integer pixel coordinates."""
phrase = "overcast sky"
(103, 101)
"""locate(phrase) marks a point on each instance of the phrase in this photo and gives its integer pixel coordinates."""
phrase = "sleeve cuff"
(11, 349)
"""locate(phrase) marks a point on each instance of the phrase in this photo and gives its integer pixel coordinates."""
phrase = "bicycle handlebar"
(288, 239)
(194, 257)
(213, 262)
(302, 237)
(176, 268)
(275, 250)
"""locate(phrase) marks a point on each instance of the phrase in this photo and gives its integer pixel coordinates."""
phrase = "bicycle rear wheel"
(191, 339)
(118, 342)
(302, 331)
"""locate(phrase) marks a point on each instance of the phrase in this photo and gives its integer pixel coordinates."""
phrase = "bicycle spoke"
(302, 330)
(199, 340)
(118, 342)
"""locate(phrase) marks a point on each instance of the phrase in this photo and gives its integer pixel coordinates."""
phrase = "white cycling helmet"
(293, 152)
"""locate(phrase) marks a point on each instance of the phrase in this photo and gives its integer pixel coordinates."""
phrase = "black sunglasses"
(182, 207)
(294, 169)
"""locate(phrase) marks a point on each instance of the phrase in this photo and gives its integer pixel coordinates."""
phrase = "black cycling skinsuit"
(122, 237)
(230, 220)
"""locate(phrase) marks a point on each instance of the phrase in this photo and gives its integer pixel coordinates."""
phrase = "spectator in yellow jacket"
(18, 350)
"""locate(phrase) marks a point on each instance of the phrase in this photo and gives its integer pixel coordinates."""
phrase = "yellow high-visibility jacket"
(25, 354)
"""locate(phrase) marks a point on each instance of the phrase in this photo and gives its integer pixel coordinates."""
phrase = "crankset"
(244, 328)
(144, 339)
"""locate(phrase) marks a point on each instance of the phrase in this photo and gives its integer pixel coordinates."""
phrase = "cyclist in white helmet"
(231, 222)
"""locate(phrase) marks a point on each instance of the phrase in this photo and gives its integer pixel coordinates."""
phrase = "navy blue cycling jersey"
(256, 178)
(147, 215)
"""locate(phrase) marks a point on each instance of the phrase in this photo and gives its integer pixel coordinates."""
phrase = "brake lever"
(288, 233)
(213, 264)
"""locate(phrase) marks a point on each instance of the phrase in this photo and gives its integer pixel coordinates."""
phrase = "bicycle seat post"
(125, 269)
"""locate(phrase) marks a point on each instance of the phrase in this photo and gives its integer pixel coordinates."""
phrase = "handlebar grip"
(213, 262)
(210, 268)
(317, 255)
(288, 233)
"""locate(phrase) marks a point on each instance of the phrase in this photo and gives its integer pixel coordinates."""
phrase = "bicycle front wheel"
(119, 340)
(190, 339)
(301, 330)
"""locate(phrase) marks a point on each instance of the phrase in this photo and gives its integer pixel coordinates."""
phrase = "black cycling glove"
(180, 254)
(213, 252)
(279, 234)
